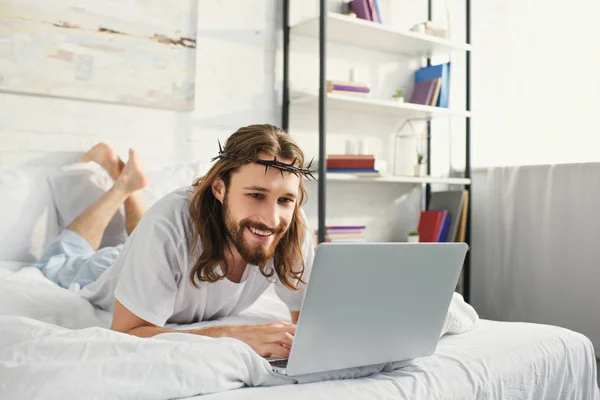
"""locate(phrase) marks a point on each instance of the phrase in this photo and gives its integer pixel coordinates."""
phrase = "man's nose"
(271, 216)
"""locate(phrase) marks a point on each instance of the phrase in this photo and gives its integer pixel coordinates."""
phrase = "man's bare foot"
(132, 176)
(106, 157)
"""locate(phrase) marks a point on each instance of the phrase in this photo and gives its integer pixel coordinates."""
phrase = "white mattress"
(495, 360)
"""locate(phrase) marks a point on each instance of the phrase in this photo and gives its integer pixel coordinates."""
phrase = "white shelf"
(376, 106)
(371, 35)
(396, 179)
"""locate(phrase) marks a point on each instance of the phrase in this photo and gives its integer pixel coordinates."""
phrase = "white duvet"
(54, 344)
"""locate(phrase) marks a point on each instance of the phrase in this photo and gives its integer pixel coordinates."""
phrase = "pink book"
(373, 12)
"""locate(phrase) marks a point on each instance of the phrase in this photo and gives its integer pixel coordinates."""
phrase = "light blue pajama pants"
(71, 259)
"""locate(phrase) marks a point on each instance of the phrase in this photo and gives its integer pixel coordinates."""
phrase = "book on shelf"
(430, 223)
(351, 163)
(353, 156)
(345, 227)
(443, 236)
(436, 92)
(361, 9)
(356, 164)
(366, 9)
(353, 84)
(446, 217)
(346, 87)
(348, 93)
(424, 92)
(452, 201)
(367, 173)
(377, 11)
(440, 71)
(362, 240)
(462, 225)
(344, 233)
(373, 12)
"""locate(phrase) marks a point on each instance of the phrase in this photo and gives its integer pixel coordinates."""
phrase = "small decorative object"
(419, 28)
(350, 146)
(421, 166)
(353, 76)
(413, 237)
(429, 28)
(363, 146)
(346, 9)
(398, 96)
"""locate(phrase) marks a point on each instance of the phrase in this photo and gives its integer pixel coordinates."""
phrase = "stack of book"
(432, 86)
(345, 234)
(359, 164)
(366, 9)
(446, 217)
(347, 88)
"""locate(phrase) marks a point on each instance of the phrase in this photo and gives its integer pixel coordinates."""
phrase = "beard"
(259, 253)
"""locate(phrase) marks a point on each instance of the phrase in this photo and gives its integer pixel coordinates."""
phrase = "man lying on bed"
(202, 252)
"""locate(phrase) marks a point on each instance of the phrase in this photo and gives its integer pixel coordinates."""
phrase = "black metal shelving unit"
(466, 284)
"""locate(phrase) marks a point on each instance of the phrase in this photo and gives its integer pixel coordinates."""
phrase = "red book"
(351, 163)
(429, 225)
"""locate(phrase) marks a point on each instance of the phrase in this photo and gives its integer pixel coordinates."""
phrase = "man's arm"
(127, 322)
(295, 315)
(274, 339)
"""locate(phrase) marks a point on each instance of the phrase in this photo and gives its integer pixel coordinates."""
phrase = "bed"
(55, 345)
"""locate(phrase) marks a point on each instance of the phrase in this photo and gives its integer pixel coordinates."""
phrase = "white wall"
(536, 89)
(234, 87)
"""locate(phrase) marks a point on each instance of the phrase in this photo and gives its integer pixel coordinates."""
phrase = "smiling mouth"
(258, 232)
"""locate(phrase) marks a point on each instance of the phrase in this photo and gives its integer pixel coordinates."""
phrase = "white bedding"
(53, 345)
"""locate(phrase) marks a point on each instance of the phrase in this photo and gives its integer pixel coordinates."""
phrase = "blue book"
(376, 3)
(433, 72)
(438, 237)
(445, 229)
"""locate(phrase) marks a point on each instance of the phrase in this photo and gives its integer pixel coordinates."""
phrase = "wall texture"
(235, 86)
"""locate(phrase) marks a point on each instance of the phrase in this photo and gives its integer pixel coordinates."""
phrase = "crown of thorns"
(274, 163)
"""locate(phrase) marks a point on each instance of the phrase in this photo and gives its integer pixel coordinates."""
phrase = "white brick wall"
(235, 87)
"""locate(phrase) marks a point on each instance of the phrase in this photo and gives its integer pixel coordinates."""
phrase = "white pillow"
(167, 179)
(28, 219)
(79, 187)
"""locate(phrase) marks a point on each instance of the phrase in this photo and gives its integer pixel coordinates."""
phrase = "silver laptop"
(372, 303)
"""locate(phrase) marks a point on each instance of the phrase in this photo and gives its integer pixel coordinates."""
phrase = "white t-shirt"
(151, 275)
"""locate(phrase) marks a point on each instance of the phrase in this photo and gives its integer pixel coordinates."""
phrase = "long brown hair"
(207, 211)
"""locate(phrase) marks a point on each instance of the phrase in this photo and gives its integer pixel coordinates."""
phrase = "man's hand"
(272, 339)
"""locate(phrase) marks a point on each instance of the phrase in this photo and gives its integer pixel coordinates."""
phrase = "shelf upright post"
(285, 112)
(467, 265)
(428, 186)
(322, 120)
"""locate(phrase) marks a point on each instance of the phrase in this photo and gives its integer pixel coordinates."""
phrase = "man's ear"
(218, 189)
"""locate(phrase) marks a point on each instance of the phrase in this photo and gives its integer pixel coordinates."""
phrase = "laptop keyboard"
(279, 363)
